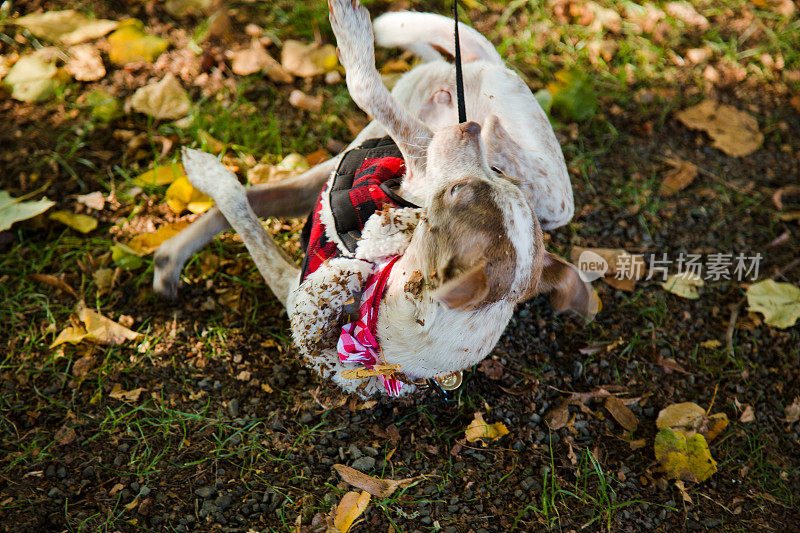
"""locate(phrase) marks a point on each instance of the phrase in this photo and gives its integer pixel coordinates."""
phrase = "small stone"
(205, 492)
(54, 493)
(87, 472)
(62, 472)
(223, 501)
(233, 407)
(364, 463)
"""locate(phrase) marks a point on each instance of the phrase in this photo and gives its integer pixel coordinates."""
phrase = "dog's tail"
(430, 36)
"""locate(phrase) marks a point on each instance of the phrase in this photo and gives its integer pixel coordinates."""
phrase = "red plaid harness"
(361, 186)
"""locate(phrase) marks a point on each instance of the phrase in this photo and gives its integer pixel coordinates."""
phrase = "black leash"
(462, 106)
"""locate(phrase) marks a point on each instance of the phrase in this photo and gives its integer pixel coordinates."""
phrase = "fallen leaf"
(557, 417)
(682, 489)
(681, 176)
(615, 266)
(104, 105)
(130, 396)
(70, 334)
(777, 196)
(256, 59)
(116, 488)
(82, 366)
(779, 302)
(93, 200)
(65, 436)
(689, 418)
(179, 8)
(307, 60)
(162, 175)
(147, 243)
(682, 458)
(382, 488)
(165, 99)
(711, 344)
(748, 414)
(493, 369)
(104, 279)
(290, 166)
(213, 145)
(49, 279)
(301, 100)
(621, 413)
(124, 257)
(734, 132)
(130, 43)
(349, 509)
(684, 285)
(17, 209)
(76, 221)
(685, 12)
(85, 63)
(32, 79)
(793, 411)
(67, 27)
(182, 195)
(478, 429)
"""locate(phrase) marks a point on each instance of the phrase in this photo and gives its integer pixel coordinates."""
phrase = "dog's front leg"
(351, 24)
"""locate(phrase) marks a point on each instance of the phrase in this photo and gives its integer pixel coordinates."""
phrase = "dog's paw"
(353, 29)
(166, 275)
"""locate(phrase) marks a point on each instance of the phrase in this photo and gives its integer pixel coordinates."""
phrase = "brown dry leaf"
(82, 366)
(307, 60)
(491, 368)
(382, 488)
(65, 436)
(777, 196)
(301, 100)
(689, 418)
(256, 59)
(70, 334)
(622, 269)
(147, 243)
(621, 413)
(93, 200)
(85, 63)
(793, 411)
(794, 101)
(478, 429)
(130, 396)
(734, 132)
(748, 414)
(96, 328)
(56, 283)
(165, 99)
(68, 26)
(683, 173)
(682, 489)
(557, 417)
(349, 509)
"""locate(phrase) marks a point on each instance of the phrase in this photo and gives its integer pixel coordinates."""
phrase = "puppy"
(434, 285)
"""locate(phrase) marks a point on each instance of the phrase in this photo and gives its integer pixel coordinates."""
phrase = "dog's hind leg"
(210, 176)
(292, 197)
(351, 24)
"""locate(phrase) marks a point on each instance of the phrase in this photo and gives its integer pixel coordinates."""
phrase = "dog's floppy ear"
(567, 290)
(466, 291)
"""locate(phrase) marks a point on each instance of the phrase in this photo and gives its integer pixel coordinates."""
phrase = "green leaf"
(682, 458)
(104, 106)
(125, 258)
(14, 209)
(779, 302)
(573, 96)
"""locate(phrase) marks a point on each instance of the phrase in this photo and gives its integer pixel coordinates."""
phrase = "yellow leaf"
(82, 223)
(684, 285)
(71, 334)
(147, 243)
(689, 418)
(103, 330)
(350, 508)
(68, 26)
(119, 394)
(307, 60)
(163, 175)
(711, 344)
(165, 99)
(214, 146)
(778, 302)
(682, 458)
(181, 195)
(478, 429)
(129, 43)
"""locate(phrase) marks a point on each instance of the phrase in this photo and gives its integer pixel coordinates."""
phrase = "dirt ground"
(229, 432)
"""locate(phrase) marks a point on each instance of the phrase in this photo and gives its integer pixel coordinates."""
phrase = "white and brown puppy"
(467, 257)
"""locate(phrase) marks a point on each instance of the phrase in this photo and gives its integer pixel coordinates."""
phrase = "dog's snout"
(470, 128)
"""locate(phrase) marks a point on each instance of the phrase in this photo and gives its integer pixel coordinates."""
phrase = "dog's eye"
(455, 188)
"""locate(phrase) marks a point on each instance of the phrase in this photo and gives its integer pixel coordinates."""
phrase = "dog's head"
(482, 242)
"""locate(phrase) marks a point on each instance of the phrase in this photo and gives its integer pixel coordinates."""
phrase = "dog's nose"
(470, 128)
